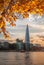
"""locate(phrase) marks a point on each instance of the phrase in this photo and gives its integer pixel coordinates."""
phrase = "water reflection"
(28, 60)
(8, 58)
(23, 58)
(18, 58)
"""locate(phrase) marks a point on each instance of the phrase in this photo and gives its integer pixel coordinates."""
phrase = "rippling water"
(17, 58)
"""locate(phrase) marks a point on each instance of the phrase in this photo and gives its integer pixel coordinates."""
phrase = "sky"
(36, 29)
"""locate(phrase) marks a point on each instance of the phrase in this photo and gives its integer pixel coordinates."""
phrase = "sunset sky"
(36, 28)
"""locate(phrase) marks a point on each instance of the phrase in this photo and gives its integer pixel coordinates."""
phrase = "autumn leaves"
(23, 7)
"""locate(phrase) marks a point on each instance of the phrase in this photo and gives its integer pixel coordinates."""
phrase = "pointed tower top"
(27, 27)
(27, 35)
(27, 24)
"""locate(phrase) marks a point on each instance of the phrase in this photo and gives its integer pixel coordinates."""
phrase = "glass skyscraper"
(27, 38)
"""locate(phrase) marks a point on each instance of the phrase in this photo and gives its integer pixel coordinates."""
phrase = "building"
(5, 44)
(0, 44)
(27, 39)
(19, 44)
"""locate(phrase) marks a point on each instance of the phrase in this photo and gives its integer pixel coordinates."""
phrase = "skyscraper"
(27, 38)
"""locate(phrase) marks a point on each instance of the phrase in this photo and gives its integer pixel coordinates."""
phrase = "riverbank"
(19, 51)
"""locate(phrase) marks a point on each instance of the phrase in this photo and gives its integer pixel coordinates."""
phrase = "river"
(19, 58)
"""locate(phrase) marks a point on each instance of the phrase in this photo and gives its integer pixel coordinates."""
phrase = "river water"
(19, 58)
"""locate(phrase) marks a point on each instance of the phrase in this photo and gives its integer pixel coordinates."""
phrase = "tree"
(9, 9)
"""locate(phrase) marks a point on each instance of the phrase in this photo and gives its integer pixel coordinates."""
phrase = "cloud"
(38, 39)
(35, 22)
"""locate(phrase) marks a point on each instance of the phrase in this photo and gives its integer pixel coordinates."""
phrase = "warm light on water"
(17, 58)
